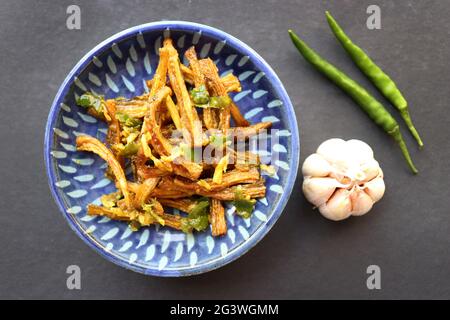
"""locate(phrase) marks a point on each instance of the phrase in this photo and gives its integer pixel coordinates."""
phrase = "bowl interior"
(119, 67)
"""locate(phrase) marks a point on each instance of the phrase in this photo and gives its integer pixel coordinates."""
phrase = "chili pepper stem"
(406, 117)
(399, 139)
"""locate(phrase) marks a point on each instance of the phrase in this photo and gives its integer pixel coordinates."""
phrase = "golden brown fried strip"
(237, 116)
(162, 193)
(246, 157)
(246, 132)
(144, 190)
(170, 220)
(211, 75)
(197, 76)
(169, 191)
(173, 188)
(229, 179)
(220, 169)
(188, 74)
(163, 147)
(173, 112)
(184, 204)
(113, 135)
(179, 164)
(253, 190)
(220, 89)
(231, 83)
(139, 111)
(149, 83)
(189, 117)
(217, 218)
(211, 118)
(159, 143)
(144, 171)
(112, 213)
(210, 72)
(133, 108)
(160, 77)
(88, 143)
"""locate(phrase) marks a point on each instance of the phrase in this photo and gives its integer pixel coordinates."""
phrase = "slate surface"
(304, 256)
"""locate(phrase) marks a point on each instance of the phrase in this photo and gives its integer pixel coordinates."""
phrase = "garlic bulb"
(342, 179)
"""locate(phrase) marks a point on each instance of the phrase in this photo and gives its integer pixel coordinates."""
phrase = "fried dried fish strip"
(217, 218)
(88, 143)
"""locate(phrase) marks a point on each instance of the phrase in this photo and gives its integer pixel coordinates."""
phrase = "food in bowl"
(181, 147)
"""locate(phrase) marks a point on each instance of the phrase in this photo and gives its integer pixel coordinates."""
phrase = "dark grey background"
(304, 256)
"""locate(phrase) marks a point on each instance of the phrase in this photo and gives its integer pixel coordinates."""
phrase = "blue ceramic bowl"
(118, 67)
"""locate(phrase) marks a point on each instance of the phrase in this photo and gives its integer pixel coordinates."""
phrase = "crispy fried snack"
(163, 135)
(217, 218)
(88, 143)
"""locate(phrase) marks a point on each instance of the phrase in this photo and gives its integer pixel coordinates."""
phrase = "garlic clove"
(332, 150)
(359, 151)
(361, 203)
(338, 207)
(371, 169)
(319, 190)
(315, 165)
(375, 188)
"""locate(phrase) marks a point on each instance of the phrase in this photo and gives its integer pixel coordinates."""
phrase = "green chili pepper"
(374, 109)
(91, 100)
(380, 79)
(243, 204)
(130, 149)
(197, 218)
(128, 121)
(200, 95)
(219, 102)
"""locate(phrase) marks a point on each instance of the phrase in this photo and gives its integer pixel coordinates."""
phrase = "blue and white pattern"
(117, 67)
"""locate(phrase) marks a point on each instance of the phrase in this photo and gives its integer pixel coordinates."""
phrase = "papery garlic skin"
(343, 179)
